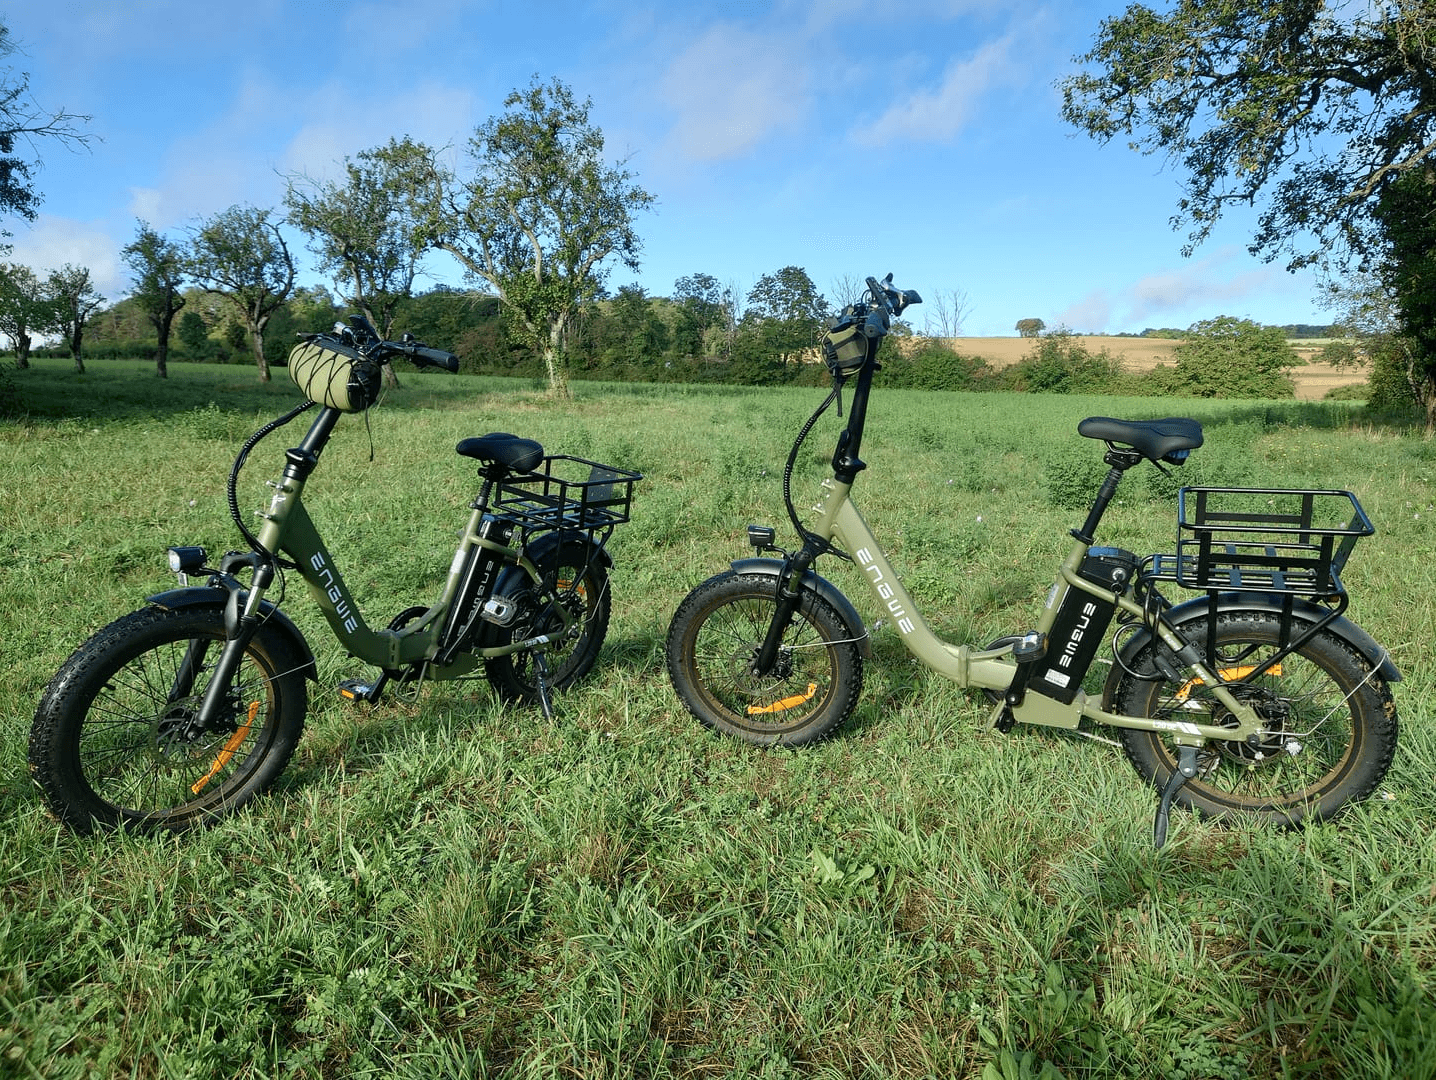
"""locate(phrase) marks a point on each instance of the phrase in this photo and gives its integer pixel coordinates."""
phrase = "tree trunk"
(383, 327)
(162, 332)
(75, 350)
(256, 337)
(22, 351)
(556, 362)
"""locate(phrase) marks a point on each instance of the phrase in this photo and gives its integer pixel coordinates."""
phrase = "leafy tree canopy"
(542, 214)
(1304, 107)
(371, 230)
(240, 254)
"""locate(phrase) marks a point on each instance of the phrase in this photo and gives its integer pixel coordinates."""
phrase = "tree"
(787, 311)
(1227, 357)
(73, 300)
(157, 264)
(194, 334)
(542, 214)
(240, 255)
(24, 121)
(1030, 327)
(945, 311)
(371, 231)
(702, 305)
(1407, 269)
(1368, 318)
(1304, 106)
(24, 309)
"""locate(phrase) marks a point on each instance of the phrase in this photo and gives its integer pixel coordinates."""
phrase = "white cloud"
(1178, 297)
(1200, 286)
(937, 115)
(1092, 313)
(245, 156)
(733, 88)
(340, 126)
(51, 242)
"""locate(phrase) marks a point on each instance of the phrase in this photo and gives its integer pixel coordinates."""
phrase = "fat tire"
(716, 632)
(1333, 748)
(580, 564)
(105, 745)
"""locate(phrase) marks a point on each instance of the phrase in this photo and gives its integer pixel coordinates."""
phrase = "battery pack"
(1081, 625)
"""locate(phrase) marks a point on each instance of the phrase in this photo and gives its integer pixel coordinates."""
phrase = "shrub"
(930, 364)
(1062, 364)
(1227, 357)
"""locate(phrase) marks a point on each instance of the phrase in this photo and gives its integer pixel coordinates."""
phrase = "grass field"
(446, 887)
(1313, 379)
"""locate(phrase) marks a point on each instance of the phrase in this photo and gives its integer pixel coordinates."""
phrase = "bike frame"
(841, 523)
(288, 528)
(994, 669)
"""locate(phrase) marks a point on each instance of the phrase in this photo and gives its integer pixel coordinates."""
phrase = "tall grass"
(446, 887)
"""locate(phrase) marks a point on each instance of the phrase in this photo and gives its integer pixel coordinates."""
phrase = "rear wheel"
(714, 639)
(574, 584)
(1328, 739)
(115, 741)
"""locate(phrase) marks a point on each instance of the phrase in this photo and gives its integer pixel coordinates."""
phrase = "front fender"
(209, 596)
(1303, 611)
(820, 585)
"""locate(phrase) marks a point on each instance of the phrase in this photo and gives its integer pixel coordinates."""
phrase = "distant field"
(1313, 379)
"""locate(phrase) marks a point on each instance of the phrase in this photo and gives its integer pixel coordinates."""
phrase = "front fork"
(789, 595)
(241, 623)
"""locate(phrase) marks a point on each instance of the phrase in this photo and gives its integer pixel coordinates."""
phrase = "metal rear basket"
(1277, 540)
(567, 493)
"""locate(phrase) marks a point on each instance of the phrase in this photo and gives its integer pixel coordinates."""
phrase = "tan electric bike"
(1258, 697)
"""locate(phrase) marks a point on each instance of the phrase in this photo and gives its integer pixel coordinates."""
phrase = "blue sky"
(849, 138)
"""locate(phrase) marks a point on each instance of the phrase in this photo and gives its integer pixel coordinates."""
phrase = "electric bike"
(1259, 697)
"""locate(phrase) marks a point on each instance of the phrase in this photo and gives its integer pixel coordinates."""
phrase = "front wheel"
(116, 742)
(714, 638)
(1329, 725)
(573, 583)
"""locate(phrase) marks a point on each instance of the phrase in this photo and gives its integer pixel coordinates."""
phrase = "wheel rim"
(1308, 743)
(725, 645)
(571, 583)
(139, 749)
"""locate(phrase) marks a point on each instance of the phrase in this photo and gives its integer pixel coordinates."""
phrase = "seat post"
(1120, 461)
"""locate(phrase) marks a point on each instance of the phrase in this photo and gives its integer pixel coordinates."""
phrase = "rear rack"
(1288, 541)
(566, 493)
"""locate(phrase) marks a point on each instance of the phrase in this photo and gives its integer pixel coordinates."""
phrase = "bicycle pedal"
(359, 691)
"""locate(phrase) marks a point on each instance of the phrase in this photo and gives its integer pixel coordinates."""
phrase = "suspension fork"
(240, 628)
(789, 595)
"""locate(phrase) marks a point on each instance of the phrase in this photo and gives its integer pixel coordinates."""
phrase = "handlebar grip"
(423, 356)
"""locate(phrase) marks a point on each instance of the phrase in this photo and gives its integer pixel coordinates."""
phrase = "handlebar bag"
(845, 349)
(334, 374)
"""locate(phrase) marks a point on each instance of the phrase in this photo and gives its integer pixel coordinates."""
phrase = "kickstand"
(1186, 769)
(541, 678)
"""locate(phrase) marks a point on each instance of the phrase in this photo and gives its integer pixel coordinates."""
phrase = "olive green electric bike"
(1258, 697)
(187, 708)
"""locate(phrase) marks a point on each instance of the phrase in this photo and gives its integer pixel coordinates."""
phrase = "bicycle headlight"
(186, 560)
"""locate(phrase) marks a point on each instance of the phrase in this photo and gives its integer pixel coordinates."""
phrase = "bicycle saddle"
(521, 455)
(1168, 439)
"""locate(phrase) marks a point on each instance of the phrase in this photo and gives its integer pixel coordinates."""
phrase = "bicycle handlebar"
(361, 333)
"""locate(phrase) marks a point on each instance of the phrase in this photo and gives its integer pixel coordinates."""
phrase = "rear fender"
(1303, 612)
(820, 585)
(218, 598)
